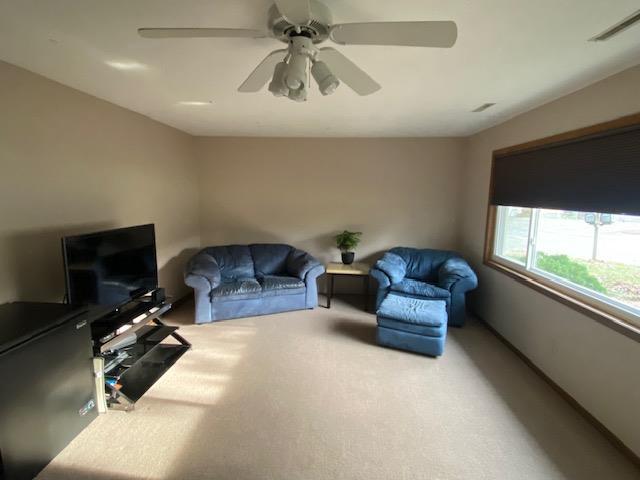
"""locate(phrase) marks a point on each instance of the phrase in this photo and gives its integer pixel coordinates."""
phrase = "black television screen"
(111, 267)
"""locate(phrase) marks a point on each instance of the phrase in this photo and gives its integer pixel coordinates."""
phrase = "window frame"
(605, 312)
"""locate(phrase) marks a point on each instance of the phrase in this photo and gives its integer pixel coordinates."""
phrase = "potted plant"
(346, 242)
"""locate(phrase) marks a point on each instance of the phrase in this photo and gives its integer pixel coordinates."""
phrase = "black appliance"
(47, 383)
(111, 267)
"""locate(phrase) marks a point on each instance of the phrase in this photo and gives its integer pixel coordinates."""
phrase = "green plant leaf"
(347, 241)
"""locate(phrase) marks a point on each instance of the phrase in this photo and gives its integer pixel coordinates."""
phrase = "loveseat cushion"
(281, 285)
(269, 258)
(423, 289)
(235, 261)
(242, 288)
(280, 282)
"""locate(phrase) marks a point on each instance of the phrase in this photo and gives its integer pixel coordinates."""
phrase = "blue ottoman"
(413, 324)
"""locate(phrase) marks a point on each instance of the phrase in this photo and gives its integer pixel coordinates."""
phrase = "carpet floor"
(308, 395)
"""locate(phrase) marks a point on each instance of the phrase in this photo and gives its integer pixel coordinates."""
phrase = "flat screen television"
(112, 267)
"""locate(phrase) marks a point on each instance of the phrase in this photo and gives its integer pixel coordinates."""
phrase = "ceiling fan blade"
(347, 71)
(297, 12)
(200, 33)
(263, 72)
(442, 34)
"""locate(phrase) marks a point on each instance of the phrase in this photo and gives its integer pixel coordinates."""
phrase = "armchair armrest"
(456, 274)
(300, 263)
(393, 266)
(202, 273)
(382, 278)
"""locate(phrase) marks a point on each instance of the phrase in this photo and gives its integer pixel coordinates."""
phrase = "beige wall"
(304, 191)
(72, 163)
(596, 365)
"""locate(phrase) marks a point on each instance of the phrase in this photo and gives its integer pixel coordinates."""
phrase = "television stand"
(133, 348)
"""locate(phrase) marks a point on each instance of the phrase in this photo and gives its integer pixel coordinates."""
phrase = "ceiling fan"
(302, 25)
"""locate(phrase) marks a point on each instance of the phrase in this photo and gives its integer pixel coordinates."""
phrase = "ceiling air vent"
(617, 28)
(483, 107)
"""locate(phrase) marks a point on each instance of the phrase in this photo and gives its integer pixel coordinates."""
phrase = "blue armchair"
(426, 273)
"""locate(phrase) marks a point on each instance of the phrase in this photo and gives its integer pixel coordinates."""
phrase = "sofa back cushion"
(234, 261)
(423, 264)
(270, 258)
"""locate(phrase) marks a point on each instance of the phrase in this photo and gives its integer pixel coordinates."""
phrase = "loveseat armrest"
(202, 273)
(311, 282)
(393, 266)
(300, 263)
(456, 275)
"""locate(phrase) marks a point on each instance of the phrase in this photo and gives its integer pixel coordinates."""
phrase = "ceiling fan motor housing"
(318, 28)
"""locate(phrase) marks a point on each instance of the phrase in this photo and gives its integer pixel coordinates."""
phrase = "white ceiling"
(517, 53)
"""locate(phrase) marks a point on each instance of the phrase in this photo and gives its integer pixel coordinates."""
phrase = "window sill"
(571, 299)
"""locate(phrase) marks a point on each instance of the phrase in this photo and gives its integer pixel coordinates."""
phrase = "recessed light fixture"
(195, 103)
(483, 107)
(126, 65)
(617, 28)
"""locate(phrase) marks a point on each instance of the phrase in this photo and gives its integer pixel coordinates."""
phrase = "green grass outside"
(620, 281)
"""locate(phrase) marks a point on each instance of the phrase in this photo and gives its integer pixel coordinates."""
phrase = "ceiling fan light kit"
(277, 86)
(291, 77)
(327, 81)
(302, 24)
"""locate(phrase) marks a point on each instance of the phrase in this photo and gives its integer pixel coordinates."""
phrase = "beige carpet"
(307, 395)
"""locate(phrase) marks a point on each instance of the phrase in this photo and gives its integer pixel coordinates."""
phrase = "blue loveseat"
(427, 274)
(244, 280)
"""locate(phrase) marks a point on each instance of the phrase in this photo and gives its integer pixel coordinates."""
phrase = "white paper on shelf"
(101, 399)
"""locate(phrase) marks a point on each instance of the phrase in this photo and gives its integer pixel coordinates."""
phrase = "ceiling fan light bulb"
(299, 95)
(279, 92)
(277, 85)
(327, 81)
(296, 73)
(293, 83)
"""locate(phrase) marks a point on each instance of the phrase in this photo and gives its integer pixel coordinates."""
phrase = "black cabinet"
(47, 383)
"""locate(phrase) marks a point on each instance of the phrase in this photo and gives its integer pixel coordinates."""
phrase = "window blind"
(595, 173)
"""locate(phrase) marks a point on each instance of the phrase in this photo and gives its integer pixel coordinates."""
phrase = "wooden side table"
(355, 269)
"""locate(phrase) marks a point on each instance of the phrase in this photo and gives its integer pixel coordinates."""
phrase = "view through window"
(595, 253)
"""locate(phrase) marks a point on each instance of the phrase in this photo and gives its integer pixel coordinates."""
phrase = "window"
(594, 254)
(564, 218)
(512, 237)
